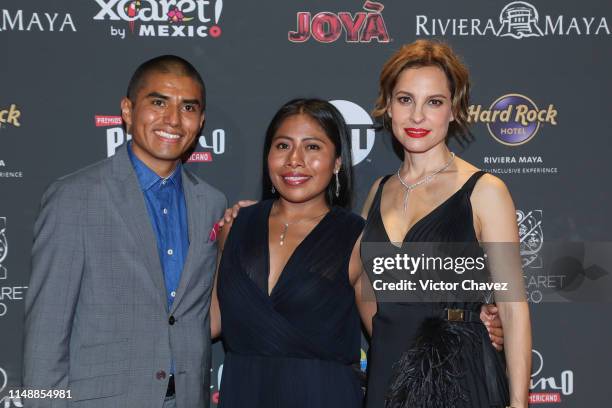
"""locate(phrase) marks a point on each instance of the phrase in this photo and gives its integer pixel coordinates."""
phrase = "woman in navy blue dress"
(286, 285)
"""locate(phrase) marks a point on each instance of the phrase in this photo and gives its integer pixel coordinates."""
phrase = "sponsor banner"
(513, 119)
(10, 116)
(517, 20)
(550, 387)
(361, 126)
(19, 20)
(7, 293)
(207, 146)
(6, 399)
(213, 144)
(327, 27)
(7, 172)
(3, 248)
(161, 18)
(105, 120)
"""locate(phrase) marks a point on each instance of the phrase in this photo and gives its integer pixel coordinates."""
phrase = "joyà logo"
(327, 27)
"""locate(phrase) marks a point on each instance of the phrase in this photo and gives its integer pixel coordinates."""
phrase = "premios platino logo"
(513, 119)
(162, 18)
(208, 144)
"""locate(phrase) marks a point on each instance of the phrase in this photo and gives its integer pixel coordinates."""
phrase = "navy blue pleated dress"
(297, 346)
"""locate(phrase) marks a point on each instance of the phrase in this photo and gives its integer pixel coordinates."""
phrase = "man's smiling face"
(164, 119)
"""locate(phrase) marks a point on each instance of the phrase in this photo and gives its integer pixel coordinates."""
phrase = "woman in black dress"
(438, 354)
(286, 284)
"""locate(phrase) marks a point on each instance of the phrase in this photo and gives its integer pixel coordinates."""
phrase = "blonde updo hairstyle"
(426, 53)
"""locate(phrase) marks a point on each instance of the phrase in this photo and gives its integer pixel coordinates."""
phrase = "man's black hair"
(164, 64)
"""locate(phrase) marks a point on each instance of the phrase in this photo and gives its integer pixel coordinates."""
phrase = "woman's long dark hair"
(334, 126)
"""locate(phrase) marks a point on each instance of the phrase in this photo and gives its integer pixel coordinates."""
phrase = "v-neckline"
(299, 246)
(412, 227)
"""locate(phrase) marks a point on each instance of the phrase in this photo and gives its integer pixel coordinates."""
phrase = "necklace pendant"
(283, 234)
(406, 201)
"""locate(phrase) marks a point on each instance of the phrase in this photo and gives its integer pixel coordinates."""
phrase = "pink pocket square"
(214, 232)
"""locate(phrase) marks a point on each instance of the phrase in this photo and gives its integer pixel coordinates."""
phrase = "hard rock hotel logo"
(10, 116)
(208, 145)
(513, 119)
(327, 27)
(518, 20)
(162, 18)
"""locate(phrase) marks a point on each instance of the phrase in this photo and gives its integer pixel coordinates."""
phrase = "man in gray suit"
(123, 262)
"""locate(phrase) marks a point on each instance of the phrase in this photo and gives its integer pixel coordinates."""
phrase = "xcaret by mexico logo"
(513, 119)
(518, 20)
(327, 27)
(208, 145)
(162, 18)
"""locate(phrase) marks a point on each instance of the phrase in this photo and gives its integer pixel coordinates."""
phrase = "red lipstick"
(416, 133)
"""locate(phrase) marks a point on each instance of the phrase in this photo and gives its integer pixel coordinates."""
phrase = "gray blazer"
(96, 318)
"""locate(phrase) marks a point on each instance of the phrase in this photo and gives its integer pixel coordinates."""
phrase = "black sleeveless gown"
(296, 347)
(477, 373)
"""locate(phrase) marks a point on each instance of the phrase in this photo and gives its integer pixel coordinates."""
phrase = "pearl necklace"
(424, 180)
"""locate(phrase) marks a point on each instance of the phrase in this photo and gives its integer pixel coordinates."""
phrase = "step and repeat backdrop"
(540, 113)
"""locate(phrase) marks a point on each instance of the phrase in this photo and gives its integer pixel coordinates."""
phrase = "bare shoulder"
(494, 212)
(370, 198)
(490, 190)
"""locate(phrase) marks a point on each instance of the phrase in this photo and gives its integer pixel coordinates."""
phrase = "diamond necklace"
(287, 224)
(424, 180)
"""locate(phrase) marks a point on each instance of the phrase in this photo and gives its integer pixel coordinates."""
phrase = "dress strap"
(376, 201)
(471, 182)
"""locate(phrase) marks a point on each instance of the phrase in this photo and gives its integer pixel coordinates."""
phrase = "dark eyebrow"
(430, 96)
(192, 102)
(165, 98)
(157, 95)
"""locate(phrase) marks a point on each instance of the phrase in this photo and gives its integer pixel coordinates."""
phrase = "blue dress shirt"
(168, 214)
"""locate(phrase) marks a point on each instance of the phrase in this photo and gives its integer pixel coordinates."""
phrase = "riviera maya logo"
(517, 20)
(162, 18)
(513, 119)
(327, 27)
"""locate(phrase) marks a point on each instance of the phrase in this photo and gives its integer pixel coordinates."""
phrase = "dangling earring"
(273, 190)
(337, 184)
